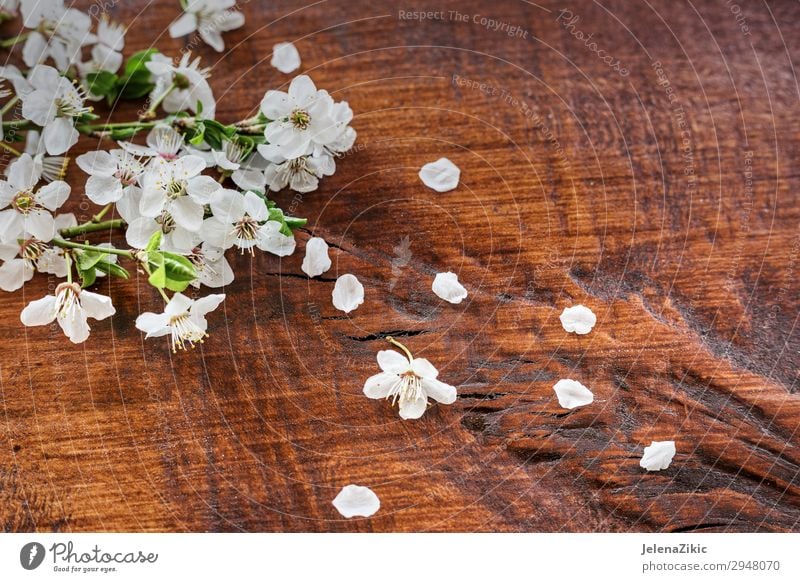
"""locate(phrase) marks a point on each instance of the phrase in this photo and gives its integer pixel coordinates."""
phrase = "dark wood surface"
(579, 185)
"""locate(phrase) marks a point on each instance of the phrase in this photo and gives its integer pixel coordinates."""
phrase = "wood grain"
(664, 199)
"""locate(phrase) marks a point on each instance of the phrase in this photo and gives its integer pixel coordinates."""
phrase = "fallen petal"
(285, 57)
(572, 394)
(356, 501)
(446, 286)
(441, 175)
(578, 319)
(316, 260)
(658, 455)
(348, 293)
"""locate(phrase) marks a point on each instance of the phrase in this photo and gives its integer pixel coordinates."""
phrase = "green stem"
(68, 258)
(66, 244)
(8, 148)
(73, 231)
(9, 42)
(151, 111)
(102, 213)
(9, 106)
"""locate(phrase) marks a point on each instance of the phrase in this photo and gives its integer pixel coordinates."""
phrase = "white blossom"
(180, 86)
(409, 382)
(112, 174)
(301, 119)
(54, 104)
(213, 269)
(209, 18)
(27, 210)
(56, 32)
(163, 141)
(71, 306)
(242, 220)
(183, 320)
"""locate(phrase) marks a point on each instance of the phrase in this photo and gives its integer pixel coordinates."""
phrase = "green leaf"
(179, 268)
(102, 83)
(158, 273)
(88, 259)
(88, 276)
(154, 242)
(294, 223)
(136, 62)
(112, 269)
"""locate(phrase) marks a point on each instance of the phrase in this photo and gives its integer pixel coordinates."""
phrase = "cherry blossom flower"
(112, 174)
(183, 320)
(213, 269)
(300, 174)
(177, 188)
(54, 104)
(356, 501)
(285, 57)
(163, 141)
(56, 32)
(49, 168)
(578, 319)
(242, 220)
(179, 87)
(29, 209)
(209, 18)
(21, 258)
(301, 119)
(407, 381)
(658, 455)
(71, 306)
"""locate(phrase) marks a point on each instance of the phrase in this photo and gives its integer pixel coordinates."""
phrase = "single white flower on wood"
(71, 306)
(407, 381)
(183, 320)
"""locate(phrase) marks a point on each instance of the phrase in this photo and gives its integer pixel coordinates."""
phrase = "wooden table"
(648, 172)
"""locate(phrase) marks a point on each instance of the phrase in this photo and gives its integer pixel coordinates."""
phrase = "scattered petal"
(285, 57)
(578, 319)
(441, 175)
(316, 260)
(658, 455)
(572, 394)
(446, 286)
(356, 501)
(348, 293)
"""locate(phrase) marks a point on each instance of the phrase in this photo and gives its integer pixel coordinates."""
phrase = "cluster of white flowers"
(186, 193)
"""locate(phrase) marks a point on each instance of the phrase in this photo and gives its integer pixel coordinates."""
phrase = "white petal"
(39, 312)
(275, 104)
(447, 287)
(439, 391)
(98, 163)
(207, 304)
(255, 207)
(441, 175)
(23, 173)
(285, 57)
(139, 232)
(186, 24)
(316, 260)
(60, 135)
(103, 190)
(153, 324)
(424, 369)
(356, 501)
(302, 90)
(179, 303)
(249, 180)
(572, 394)
(96, 306)
(414, 409)
(270, 239)
(578, 319)
(393, 361)
(658, 455)
(76, 328)
(41, 225)
(187, 213)
(227, 205)
(201, 188)
(378, 386)
(53, 194)
(14, 273)
(348, 293)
